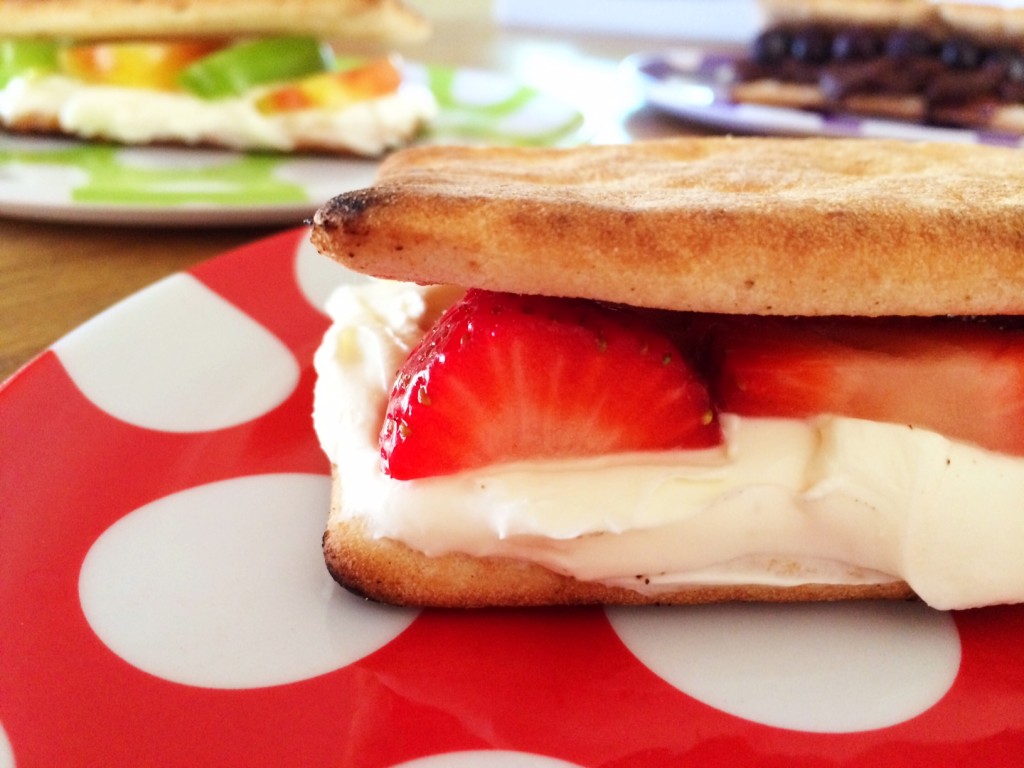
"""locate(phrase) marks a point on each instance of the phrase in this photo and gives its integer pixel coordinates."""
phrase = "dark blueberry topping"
(812, 45)
(908, 44)
(959, 53)
(771, 46)
(1008, 62)
(1015, 68)
(842, 62)
(997, 59)
(855, 45)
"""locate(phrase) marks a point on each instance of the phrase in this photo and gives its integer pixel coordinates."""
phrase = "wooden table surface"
(55, 276)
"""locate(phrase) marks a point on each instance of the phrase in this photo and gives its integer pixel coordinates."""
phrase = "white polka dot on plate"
(486, 759)
(318, 275)
(179, 358)
(6, 755)
(833, 668)
(224, 586)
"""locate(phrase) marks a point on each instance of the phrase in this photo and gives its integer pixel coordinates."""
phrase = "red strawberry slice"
(962, 378)
(503, 377)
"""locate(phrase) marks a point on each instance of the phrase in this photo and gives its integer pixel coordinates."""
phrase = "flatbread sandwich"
(679, 371)
(269, 75)
(942, 63)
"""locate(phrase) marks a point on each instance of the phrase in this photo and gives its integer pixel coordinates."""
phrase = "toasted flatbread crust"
(373, 20)
(841, 12)
(990, 23)
(978, 115)
(737, 225)
(388, 571)
(777, 93)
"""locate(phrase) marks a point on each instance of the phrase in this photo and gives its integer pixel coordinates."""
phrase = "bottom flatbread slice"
(388, 571)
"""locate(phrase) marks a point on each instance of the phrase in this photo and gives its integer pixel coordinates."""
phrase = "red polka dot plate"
(163, 600)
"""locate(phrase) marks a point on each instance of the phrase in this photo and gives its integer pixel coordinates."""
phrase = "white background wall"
(730, 21)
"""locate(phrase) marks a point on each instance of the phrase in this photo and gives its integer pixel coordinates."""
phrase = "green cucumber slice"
(20, 56)
(235, 70)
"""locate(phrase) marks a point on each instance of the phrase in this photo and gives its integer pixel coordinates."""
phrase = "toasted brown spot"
(352, 212)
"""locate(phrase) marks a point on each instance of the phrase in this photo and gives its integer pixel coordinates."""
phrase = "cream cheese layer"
(141, 116)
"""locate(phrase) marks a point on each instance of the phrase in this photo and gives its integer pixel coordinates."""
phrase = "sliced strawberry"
(503, 377)
(962, 378)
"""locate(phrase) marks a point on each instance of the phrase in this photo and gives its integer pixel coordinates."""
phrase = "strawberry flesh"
(964, 379)
(503, 377)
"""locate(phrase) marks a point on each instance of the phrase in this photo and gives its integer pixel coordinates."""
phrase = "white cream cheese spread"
(141, 116)
(782, 502)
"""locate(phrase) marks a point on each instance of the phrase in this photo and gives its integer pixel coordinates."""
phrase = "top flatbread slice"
(386, 21)
(881, 13)
(741, 225)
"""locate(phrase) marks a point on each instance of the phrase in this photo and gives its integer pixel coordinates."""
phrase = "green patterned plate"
(71, 181)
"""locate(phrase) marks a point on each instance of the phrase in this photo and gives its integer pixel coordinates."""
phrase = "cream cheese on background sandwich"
(679, 371)
(244, 75)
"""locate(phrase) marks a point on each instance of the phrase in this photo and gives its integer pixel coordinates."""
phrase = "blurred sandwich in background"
(241, 74)
(938, 63)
